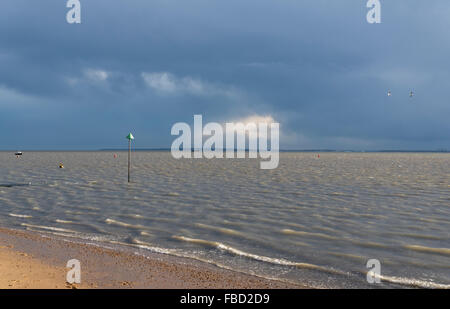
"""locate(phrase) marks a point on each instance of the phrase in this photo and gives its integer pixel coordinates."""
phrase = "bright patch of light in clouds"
(164, 81)
(168, 83)
(256, 120)
(96, 75)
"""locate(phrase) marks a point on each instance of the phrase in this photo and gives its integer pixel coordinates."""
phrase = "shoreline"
(31, 260)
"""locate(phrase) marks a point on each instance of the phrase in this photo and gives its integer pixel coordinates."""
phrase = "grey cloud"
(315, 65)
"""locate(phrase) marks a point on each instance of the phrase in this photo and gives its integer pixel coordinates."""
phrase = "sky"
(316, 67)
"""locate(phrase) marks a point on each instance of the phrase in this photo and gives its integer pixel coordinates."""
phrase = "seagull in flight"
(389, 93)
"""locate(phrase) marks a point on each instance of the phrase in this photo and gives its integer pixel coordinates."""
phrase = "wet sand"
(30, 260)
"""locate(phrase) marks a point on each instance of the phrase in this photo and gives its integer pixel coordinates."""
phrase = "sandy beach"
(29, 260)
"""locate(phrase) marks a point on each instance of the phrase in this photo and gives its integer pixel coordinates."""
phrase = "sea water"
(315, 221)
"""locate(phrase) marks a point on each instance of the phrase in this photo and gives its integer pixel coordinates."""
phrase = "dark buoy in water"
(12, 185)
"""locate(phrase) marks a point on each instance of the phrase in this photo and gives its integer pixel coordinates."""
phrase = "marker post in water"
(130, 137)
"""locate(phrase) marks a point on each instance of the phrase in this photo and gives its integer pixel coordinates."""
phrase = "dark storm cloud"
(315, 66)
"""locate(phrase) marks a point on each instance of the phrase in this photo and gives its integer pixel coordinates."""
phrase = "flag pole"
(130, 137)
(129, 158)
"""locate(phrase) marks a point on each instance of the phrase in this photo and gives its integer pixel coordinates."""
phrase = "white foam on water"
(73, 234)
(178, 253)
(63, 221)
(413, 282)
(144, 245)
(275, 261)
(124, 224)
(443, 251)
(20, 216)
(219, 229)
(302, 233)
(50, 228)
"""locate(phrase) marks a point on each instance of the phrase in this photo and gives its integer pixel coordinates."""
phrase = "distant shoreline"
(281, 150)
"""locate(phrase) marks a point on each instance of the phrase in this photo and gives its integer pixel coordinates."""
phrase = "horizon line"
(442, 150)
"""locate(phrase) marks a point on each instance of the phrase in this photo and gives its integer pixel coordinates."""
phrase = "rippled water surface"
(312, 220)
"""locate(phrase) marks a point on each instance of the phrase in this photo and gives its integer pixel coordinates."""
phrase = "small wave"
(260, 258)
(93, 228)
(414, 282)
(172, 194)
(301, 233)
(88, 208)
(50, 228)
(417, 236)
(369, 244)
(46, 233)
(218, 229)
(124, 224)
(443, 251)
(143, 245)
(20, 216)
(76, 236)
(349, 256)
(139, 242)
(64, 221)
(341, 194)
(135, 216)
